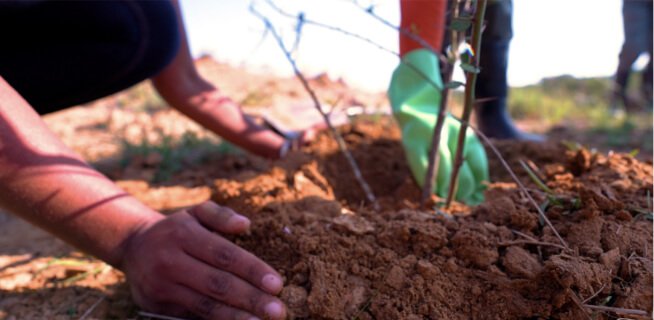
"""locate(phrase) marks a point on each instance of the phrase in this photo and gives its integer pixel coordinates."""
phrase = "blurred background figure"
(492, 87)
(637, 19)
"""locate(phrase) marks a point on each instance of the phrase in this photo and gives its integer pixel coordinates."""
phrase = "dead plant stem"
(617, 310)
(158, 316)
(594, 294)
(537, 243)
(577, 301)
(524, 235)
(92, 308)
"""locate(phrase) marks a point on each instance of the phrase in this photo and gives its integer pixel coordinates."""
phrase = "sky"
(551, 37)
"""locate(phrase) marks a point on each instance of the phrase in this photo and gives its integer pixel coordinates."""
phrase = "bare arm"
(36, 174)
(185, 90)
(177, 264)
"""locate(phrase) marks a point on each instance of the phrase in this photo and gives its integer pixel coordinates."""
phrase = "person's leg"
(491, 89)
(637, 27)
(647, 85)
(59, 54)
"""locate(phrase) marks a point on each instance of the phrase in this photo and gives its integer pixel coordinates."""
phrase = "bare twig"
(330, 27)
(364, 39)
(339, 140)
(471, 80)
(90, 310)
(433, 154)
(432, 83)
(448, 70)
(635, 312)
(537, 243)
(158, 316)
(594, 294)
(432, 165)
(524, 235)
(577, 302)
(518, 182)
(423, 43)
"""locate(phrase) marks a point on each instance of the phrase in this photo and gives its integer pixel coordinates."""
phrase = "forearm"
(185, 90)
(202, 102)
(47, 184)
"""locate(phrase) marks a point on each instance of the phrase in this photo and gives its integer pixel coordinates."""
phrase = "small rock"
(519, 263)
(611, 259)
(353, 224)
(295, 298)
(396, 278)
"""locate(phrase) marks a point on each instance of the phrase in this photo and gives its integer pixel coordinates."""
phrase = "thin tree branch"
(92, 308)
(528, 237)
(594, 294)
(577, 301)
(339, 140)
(484, 138)
(330, 27)
(432, 165)
(447, 66)
(536, 243)
(471, 80)
(517, 181)
(364, 39)
(434, 155)
(158, 316)
(423, 43)
(635, 312)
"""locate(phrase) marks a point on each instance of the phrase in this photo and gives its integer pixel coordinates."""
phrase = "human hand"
(181, 264)
(415, 103)
(298, 139)
(307, 136)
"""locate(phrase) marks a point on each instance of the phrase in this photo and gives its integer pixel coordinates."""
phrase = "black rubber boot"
(495, 122)
(493, 118)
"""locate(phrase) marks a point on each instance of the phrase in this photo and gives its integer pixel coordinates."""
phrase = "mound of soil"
(343, 260)
(495, 261)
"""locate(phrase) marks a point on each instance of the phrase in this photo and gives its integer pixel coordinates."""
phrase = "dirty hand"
(415, 104)
(180, 265)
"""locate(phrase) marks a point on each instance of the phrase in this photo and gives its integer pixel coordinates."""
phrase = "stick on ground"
(158, 316)
(624, 311)
(518, 183)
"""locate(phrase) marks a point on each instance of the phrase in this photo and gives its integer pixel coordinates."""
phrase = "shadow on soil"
(70, 302)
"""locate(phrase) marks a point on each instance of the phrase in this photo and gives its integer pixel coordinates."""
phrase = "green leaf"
(461, 23)
(469, 68)
(454, 84)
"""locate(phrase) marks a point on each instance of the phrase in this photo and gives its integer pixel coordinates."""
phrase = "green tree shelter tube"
(415, 102)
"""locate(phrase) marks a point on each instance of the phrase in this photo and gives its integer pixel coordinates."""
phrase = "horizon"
(579, 47)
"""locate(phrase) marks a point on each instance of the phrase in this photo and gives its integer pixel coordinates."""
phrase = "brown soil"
(341, 260)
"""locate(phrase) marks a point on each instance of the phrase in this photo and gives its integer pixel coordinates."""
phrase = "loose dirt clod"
(342, 260)
(403, 263)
